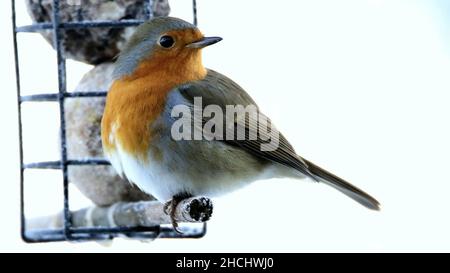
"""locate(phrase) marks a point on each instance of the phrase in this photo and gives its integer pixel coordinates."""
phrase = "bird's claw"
(166, 207)
(169, 209)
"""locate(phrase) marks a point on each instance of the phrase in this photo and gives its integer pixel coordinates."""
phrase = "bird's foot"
(170, 209)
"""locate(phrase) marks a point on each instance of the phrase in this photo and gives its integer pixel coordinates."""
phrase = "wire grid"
(68, 232)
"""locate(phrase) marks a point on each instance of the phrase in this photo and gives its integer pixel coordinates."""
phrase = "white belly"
(148, 175)
(221, 172)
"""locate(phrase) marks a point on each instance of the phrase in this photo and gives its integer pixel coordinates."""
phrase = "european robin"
(161, 69)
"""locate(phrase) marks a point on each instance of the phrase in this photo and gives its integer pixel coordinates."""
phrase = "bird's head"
(163, 45)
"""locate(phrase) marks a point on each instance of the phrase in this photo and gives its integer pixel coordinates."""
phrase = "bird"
(161, 68)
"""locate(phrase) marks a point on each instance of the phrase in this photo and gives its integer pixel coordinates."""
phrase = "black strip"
(236, 262)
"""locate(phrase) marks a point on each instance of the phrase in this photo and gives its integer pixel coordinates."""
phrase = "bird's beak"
(204, 42)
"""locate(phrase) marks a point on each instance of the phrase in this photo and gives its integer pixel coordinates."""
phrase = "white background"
(360, 87)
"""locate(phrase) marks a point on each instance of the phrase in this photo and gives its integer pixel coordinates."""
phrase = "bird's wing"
(217, 89)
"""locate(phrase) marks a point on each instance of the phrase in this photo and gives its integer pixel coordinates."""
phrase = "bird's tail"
(343, 186)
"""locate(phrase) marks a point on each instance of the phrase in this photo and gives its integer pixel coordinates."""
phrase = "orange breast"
(135, 101)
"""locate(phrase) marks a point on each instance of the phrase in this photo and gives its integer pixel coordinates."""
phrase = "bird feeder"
(133, 219)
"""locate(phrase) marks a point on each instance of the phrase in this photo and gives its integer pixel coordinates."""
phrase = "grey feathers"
(344, 187)
(143, 41)
(220, 90)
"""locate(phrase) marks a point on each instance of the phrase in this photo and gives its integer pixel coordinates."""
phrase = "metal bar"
(100, 230)
(37, 27)
(83, 234)
(55, 96)
(149, 9)
(99, 233)
(19, 118)
(161, 231)
(56, 165)
(194, 233)
(39, 97)
(194, 11)
(57, 235)
(61, 93)
(86, 94)
(44, 236)
(91, 161)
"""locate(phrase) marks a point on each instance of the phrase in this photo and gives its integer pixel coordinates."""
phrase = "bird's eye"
(166, 41)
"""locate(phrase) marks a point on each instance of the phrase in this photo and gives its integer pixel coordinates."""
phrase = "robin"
(160, 69)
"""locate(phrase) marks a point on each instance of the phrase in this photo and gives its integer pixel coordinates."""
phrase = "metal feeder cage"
(67, 232)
